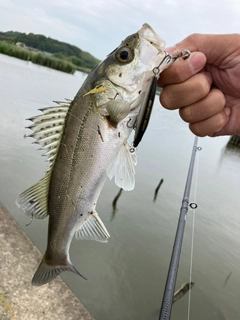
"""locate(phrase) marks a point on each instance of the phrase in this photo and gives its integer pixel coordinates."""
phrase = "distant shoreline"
(39, 58)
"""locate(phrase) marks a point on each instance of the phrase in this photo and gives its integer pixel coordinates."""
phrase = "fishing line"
(193, 230)
(191, 263)
(166, 307)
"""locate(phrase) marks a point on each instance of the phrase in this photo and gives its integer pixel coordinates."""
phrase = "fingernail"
(197, 61)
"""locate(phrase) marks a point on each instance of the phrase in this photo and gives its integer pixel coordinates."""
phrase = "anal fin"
(93, 229)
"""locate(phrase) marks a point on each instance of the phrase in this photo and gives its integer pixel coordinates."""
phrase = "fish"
(86, 140)
(182, 291)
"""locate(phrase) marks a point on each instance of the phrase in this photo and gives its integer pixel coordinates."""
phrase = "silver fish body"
(86, 141)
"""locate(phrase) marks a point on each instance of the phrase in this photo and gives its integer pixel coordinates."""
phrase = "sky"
(98, 26)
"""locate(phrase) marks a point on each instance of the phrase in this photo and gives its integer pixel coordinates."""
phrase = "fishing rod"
(167, 301)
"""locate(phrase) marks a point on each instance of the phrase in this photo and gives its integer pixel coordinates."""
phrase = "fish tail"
(46, 273)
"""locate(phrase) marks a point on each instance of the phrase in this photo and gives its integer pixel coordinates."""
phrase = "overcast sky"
(98, 26)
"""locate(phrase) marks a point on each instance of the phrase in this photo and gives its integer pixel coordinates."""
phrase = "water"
(127, 275)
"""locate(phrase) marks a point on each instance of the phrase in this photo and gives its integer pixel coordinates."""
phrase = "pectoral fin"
(117, 111)
(123, 167)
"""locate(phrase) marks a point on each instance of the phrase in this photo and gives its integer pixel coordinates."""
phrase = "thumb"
(214, 46)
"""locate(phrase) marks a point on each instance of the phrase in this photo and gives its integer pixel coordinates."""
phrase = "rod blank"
(167, 301)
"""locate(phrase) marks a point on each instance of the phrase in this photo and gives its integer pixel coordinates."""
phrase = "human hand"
(205, 87)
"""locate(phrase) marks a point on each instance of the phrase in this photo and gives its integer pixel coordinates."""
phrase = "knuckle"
(203, 85)
(162, 98)
(197, 129)
(221, 121)
(195, 35)
(187, 114)
(219, 97)
(192, 38)
(165, 99)
(210, 125)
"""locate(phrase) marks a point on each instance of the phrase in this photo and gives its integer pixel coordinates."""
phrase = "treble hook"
(167, 57)
(133, 126)
(185, 54)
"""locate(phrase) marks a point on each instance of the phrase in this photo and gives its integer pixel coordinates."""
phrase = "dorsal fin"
(47, 130)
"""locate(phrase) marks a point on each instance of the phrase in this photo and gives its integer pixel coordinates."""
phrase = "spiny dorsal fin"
(47, 130)
(123, 167)
(93, 229)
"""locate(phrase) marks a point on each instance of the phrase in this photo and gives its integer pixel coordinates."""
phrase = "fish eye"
(124, 55)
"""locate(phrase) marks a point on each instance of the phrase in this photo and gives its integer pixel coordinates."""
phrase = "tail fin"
(46, 273)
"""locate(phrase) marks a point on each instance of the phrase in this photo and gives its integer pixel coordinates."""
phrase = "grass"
(7, 307)
(39, 58)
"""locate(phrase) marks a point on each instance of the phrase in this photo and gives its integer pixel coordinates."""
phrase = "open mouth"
(150, 36)
(152, 47)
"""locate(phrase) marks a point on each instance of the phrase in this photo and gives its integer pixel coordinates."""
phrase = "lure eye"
(124, 55)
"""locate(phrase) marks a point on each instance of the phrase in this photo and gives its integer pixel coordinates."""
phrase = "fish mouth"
(151, 45)
(147, 33)
(152, 50)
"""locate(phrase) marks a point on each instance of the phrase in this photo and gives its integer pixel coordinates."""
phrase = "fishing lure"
(146, 109)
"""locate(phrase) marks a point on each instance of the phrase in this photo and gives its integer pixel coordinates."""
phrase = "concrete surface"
(19, 300)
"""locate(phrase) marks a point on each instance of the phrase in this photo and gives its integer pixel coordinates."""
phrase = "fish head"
(131, 66)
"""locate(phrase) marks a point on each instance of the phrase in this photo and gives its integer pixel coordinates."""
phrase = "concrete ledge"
(19, 300)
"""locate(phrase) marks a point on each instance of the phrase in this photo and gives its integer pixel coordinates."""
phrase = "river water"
(127, 275)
